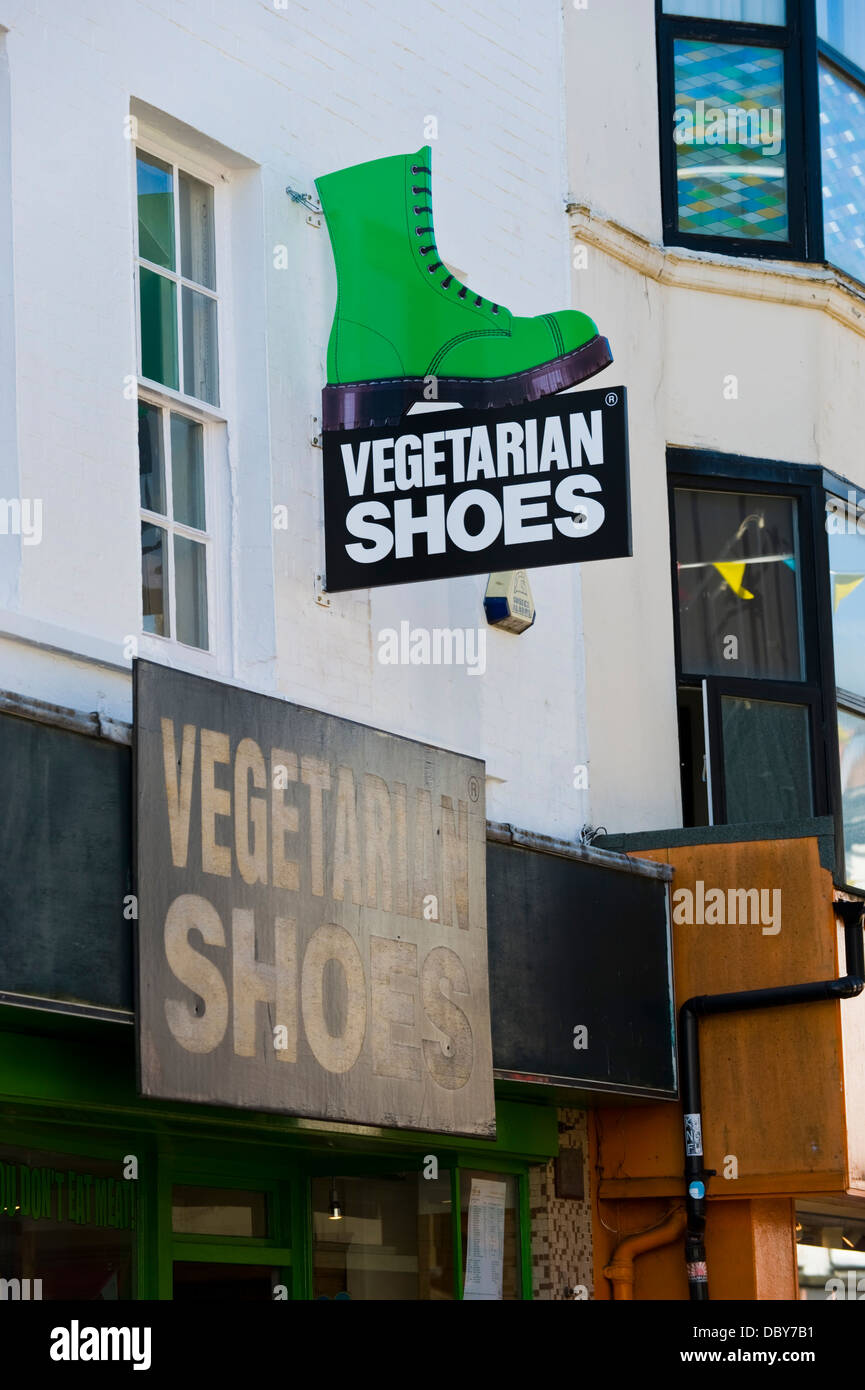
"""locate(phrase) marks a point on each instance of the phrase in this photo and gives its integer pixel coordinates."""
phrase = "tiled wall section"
(562, 1226)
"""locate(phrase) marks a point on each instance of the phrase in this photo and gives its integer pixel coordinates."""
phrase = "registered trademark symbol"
(612, 398)
(474, 789)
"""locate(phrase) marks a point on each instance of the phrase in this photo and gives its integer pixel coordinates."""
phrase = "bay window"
(768, 574)
(762, 126)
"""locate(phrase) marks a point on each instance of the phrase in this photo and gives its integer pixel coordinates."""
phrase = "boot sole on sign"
(368, 404)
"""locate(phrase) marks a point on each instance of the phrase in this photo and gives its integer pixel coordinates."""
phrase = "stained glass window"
(729, 130)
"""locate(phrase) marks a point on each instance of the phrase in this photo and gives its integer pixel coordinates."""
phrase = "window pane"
(187, 471)
(750, 11)
(158, 328)
(842, 23)
(151, 464)
(729, 131)
(68, 1223)
(847, 571)
(190, 599)
(200, 362)
(207, 1283)
(829, 1247)
(767, 761)
(197, 258)
(393, 1240)
(490, 1227)
(692, 758)
(851, 738)
(738, 580)
(842, 140)
(154, 580)
(218, 1211)
(155, 211)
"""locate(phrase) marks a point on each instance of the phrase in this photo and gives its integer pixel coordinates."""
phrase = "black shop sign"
(457, 492)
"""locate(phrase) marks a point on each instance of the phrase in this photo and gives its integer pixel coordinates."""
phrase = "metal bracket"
(315, 431)
(322, 597)
(314, 211)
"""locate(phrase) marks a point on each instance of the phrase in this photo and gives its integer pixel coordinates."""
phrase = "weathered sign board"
(312, 913)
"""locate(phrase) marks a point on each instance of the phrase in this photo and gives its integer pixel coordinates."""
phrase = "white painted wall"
(279, 93)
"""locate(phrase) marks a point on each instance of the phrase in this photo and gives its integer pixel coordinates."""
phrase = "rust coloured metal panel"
(312, 913)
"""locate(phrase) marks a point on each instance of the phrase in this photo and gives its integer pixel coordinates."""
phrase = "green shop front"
(228, 1205)
(245, 1039)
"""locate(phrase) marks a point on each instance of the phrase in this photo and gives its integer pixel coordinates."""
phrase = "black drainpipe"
(701, 1005)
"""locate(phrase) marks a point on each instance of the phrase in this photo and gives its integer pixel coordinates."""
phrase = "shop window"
(67, 1227)
(830, 1250)
(749, 671)
(229, 1243)
(383, 1236)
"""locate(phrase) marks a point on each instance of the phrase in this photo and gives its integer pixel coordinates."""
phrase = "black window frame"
(712, 471)
(798, 39)
(832, 485)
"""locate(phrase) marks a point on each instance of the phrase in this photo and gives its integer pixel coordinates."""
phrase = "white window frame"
(214, 419)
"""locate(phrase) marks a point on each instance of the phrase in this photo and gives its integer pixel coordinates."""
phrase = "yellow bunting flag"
(842, 585)
(732, 572)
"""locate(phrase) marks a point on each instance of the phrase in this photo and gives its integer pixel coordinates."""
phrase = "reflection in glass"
(851, 739)
(190, 579)
(200, 1282)
(747, 11)
(738, 578)
(767, 760)
(151, 463)
(394, 1241)
(155, 211)
(842, 142)
(692, 758)
(154, 580)
(200, 358)
(187, 471)
(842, 24)
(218, 1211)
(68, 1221)
(158, 328)
(197, 259)
(846, 572)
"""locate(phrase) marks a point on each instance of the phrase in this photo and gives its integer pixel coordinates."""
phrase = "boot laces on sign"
(419, 209)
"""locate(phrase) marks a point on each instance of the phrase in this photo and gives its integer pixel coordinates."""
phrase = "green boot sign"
(445, 493)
